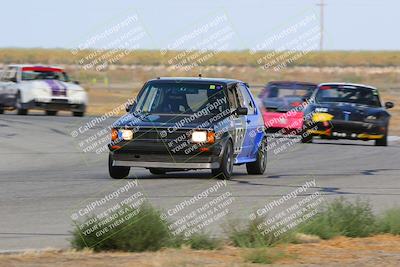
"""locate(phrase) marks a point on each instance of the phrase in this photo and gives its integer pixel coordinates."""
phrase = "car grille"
(161, 134)
(59, 101)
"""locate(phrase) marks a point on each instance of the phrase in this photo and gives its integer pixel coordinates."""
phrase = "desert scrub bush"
(251, 236)
(342, 217)
(389, 222)
(263, 255)
(127, 229)
(203, 241)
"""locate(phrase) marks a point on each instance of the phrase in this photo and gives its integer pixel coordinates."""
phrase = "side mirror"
(128, 107)
(241, 111)
(13, 79)
(389, 105)
(75, 82)
(305, 98)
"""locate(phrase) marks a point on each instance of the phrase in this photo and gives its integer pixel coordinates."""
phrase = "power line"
(321, 23)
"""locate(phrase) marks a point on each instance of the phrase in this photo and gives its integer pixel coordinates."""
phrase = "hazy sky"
(349, 24)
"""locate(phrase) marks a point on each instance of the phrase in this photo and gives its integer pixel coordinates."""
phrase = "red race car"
(283, 105)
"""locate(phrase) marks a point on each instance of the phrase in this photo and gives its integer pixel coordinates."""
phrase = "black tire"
(382, 141)
(22, 111)
(226, 166)
(259, 166)
(1, 110)
(18, 106)
(306, 137)
(78, 113)
(51, 112)
(117, 172)
(157, 171)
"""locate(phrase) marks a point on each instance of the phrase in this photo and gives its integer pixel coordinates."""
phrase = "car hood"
(282, 103)
(51, 84)
(163, 121)
(350, 111)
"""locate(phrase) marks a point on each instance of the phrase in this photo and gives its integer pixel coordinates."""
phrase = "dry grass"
(233, 58)
(381, 250)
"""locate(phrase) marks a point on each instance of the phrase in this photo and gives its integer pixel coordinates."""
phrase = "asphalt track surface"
(45, 177)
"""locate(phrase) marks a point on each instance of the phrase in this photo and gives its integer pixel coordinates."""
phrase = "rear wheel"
(1, 110)
(226, 167)
(51, 112)
(117, 172)
(157, 171)
(259, 166)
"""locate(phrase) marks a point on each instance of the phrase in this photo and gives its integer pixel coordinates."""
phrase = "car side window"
(232, 97)
(10, 75)
(246, 100)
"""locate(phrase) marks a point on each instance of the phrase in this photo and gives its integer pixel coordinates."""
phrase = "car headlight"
(321, 117)
(203, 136)
(199, 136)
(125, 134)
(371, 118)
(321, 109)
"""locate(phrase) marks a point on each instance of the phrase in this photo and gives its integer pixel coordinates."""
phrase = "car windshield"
(181, 98)
(289, 90)
(286, 95)
(28, 75)
(349, 94)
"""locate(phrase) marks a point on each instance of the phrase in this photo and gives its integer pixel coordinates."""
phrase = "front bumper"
(168, 161)
(354, 130)
(55, 104)
(157, 154)
(166, 165)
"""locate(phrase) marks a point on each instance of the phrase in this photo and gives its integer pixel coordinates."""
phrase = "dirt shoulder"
(382, 250)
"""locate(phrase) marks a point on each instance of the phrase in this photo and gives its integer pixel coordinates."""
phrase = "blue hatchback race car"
(190, 123)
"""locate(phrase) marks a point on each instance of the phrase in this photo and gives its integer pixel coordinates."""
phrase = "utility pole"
(321, 23)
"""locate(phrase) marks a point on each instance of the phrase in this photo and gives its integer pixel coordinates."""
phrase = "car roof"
(198, 79)
(33, 65)
(349, 84)
(292, 82)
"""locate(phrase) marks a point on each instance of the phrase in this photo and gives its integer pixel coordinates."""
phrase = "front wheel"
(157, 171)
(18, 105)
(226, 166)
(22, 111)
(51, 112)
(382, 141)
(306, 137)
(259, 166)
(117, 172)
(78, 113)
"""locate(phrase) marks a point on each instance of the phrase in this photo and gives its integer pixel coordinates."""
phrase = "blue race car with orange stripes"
(25, 87)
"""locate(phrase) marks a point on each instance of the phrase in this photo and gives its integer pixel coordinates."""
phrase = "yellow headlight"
(321, 117)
